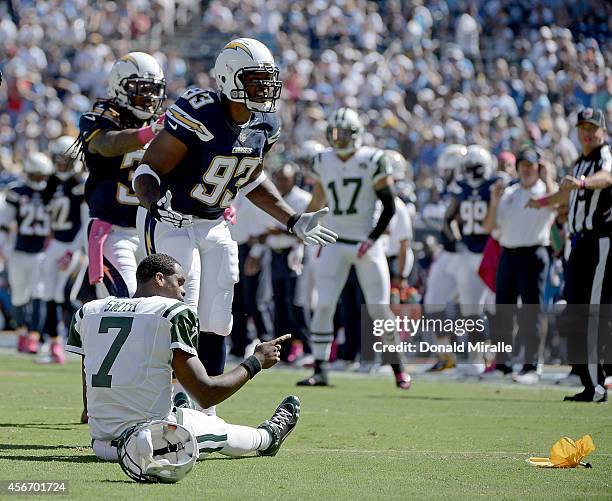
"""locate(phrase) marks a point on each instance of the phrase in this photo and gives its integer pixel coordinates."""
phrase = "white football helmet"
(401, 168)
(64, 157)
(477, 165)
(157, 451)
(344, 131)
(307, 152)
(136, 82)
(450, 161)
(309, 149)
(245, 73)
(37, 168)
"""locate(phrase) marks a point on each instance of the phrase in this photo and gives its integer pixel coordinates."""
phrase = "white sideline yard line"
(399, 451)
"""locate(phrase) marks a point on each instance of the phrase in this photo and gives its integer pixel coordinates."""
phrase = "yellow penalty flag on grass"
(566, 453)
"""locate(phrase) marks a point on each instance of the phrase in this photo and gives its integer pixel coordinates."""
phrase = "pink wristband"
(145, 134)
(582, 183)
(542, 202)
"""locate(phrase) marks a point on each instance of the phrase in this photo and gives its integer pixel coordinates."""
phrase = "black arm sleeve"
(387, 197)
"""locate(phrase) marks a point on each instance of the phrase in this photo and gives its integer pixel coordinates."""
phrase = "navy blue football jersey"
(108, 189)
(473, 207)
(221, 156)
(32, 217)
(65, 207)
(447, 244)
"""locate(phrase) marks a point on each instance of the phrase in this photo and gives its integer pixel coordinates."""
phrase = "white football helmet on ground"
(157, 451)
(64, 157)
(344, 131)
(37, 168)
(136, 82)
(477, 165)
(245, 73)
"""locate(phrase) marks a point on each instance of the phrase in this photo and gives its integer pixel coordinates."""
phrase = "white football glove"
(163, 211)
(308, 229)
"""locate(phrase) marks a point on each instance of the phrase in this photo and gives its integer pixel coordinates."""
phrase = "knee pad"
(219, 318)
(380, 311)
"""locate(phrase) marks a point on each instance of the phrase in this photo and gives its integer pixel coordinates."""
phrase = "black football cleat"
(183, 401)
(314, 380)
(281, 424)
(598, 395)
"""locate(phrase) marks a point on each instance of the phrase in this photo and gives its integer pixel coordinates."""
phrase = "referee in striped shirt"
(588, 281)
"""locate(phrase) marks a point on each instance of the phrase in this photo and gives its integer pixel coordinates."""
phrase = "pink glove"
(64, 262)
(158, 125)
(229, 214)
(364, 247)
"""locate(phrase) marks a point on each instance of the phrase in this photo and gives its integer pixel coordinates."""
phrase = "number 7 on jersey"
(103, 379)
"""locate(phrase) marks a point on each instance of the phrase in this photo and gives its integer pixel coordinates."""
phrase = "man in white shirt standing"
(524, 262)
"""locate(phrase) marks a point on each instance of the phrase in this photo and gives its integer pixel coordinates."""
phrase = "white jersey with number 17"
(349, 189)
(127, 345)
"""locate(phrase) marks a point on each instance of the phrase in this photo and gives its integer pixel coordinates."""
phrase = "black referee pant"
(288, 317)
(245, 305)
(521, 272)
(588, 291)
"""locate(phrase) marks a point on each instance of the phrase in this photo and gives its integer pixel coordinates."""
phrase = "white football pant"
(25, 277)
(441, 283)
(463, 267)
(54, 279)
(332, 269)
(212, 433)
(209, 257)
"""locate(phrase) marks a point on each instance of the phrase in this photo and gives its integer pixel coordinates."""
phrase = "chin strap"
(169, 448)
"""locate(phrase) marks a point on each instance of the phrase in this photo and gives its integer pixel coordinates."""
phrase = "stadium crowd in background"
(422, 74)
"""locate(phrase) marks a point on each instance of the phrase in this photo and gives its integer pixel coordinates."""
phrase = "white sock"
(177, 388)
(266, 439)
(104, 450)
(321, 345)
(209, 411)
(243, 439)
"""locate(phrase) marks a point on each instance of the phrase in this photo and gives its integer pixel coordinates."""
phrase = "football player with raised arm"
(112, 137)
(352, 178)
(212, 146)
(131, 346)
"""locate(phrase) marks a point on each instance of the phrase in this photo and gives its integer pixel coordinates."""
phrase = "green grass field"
(362, 439)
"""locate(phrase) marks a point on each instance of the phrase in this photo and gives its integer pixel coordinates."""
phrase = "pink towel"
(490, 260)
(97, 235)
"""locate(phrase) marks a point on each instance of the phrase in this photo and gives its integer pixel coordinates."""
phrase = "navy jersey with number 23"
(221, 156)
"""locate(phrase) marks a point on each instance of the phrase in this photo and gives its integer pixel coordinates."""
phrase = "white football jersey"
(349, 189)
(127, 344)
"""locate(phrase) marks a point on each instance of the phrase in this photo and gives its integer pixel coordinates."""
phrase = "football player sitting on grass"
(130, 346)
